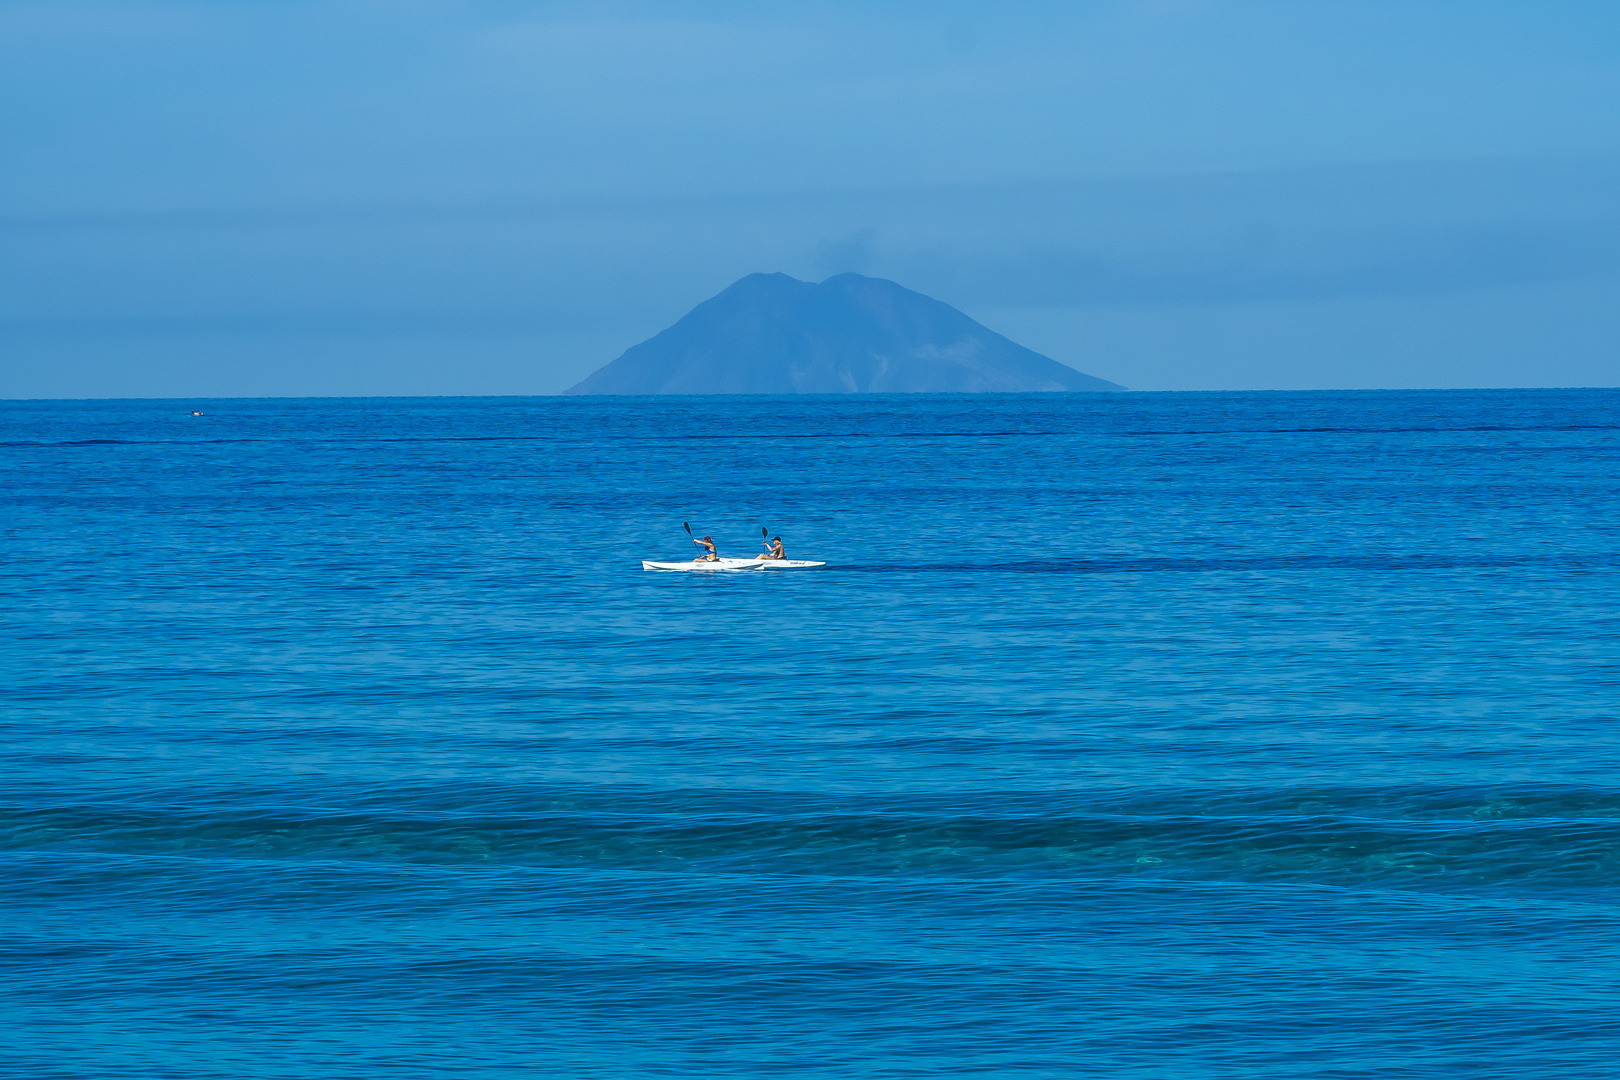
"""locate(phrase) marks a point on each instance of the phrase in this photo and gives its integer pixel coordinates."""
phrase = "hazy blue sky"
(284, 197)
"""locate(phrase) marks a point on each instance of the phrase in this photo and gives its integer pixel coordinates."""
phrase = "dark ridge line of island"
(850, 334)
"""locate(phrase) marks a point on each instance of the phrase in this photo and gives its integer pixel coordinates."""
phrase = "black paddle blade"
(763, 532)
(688, 529)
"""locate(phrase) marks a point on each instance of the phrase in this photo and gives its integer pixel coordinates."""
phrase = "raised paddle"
(764, 536)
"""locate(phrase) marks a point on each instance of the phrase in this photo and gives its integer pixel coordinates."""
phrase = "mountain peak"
(850, 334)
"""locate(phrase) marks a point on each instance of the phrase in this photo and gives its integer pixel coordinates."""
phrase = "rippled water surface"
(1195, 735)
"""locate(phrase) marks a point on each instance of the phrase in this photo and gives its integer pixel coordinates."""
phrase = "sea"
(1138, 735)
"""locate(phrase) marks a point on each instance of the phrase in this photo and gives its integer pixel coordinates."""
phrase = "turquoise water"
(1138, 735)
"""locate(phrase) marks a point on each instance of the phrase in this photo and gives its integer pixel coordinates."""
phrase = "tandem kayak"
(711, 565)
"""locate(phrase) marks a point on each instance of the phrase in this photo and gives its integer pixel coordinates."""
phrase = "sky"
(291, 198)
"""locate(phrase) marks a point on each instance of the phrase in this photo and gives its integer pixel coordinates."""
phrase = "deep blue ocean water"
(1136, 735)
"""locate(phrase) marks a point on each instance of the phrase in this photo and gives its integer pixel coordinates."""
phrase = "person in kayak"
(710, 552)
(773, 550)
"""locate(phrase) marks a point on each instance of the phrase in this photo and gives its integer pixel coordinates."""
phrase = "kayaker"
(773, 550)
(710, 553)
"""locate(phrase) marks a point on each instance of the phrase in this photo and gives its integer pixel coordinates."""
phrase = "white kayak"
(712, 565)
(709, 565)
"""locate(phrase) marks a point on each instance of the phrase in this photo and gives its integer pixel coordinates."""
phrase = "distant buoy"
(196, 412)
